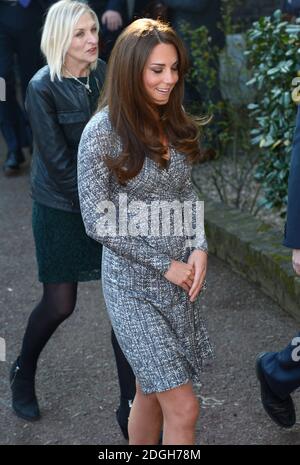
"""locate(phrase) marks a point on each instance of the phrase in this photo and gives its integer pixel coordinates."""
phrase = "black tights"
(57, 304)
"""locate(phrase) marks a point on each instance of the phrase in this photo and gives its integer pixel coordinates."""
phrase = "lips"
(163, 91)
(92, 50)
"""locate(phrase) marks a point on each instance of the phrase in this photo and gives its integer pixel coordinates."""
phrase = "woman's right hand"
(181, 274)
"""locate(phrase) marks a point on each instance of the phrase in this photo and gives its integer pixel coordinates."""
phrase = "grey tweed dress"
(159, 330)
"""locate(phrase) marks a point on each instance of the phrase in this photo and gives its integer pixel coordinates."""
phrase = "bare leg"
(145, 420)
(180, 409)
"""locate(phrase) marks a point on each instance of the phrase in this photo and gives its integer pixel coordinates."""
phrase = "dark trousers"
(20, 32)
(282, 369)
(108, 39)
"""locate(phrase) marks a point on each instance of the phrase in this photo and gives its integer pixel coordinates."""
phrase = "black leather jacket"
(58, 111)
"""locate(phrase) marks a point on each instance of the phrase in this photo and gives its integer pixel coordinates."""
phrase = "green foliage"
(227, 135)
(229, 123)
(273, 54)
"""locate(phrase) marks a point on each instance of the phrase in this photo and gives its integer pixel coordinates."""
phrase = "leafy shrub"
(227, 135)
(273, 55)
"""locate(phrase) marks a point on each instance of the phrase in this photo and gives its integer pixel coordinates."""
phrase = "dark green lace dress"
(63, 250)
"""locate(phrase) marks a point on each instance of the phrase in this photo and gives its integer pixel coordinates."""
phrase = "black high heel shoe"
(24, 401)
(122, 415)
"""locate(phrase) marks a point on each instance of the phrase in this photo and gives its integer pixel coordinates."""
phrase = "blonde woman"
(61, 98)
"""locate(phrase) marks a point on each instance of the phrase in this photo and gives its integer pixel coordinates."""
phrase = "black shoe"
(280, 411)
(24, 401)
(20, 156)
(11, 164)
(122, 415)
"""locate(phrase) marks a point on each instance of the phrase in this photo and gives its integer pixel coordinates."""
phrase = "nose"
(170, 76)
(93, 38)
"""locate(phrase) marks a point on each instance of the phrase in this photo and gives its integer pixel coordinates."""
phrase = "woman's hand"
(181, 274)
(296, 261)
(198, 259)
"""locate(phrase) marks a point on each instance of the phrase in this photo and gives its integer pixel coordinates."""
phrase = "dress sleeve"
(95, 194)
(196, 223)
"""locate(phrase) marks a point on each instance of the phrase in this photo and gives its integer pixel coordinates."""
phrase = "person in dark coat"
(291, 7)
(20, 25)
(279, 372)
(136, 9)
(198, 13)
(113, 17)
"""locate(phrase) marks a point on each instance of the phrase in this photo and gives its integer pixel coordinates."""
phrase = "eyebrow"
(162, 64)
(82, 28)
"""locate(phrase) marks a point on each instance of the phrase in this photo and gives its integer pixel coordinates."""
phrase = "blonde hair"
(57, 35)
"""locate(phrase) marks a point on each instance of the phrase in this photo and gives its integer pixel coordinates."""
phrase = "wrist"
(201, 249)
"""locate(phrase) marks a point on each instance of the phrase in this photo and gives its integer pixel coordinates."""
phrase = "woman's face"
(161, 73)
(84, 45)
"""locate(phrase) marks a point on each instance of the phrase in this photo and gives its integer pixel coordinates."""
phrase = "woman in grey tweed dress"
(129, 162)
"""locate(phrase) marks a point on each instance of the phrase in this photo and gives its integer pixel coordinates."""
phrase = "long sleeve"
(116, 5)
(49, 139)
(94, 183)
(292, 230)
(192, 6)
(196, 223)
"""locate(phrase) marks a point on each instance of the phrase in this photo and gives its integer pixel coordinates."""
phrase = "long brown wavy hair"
(139, 123)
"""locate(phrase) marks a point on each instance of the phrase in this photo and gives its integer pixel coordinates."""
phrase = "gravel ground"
(77, 384)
